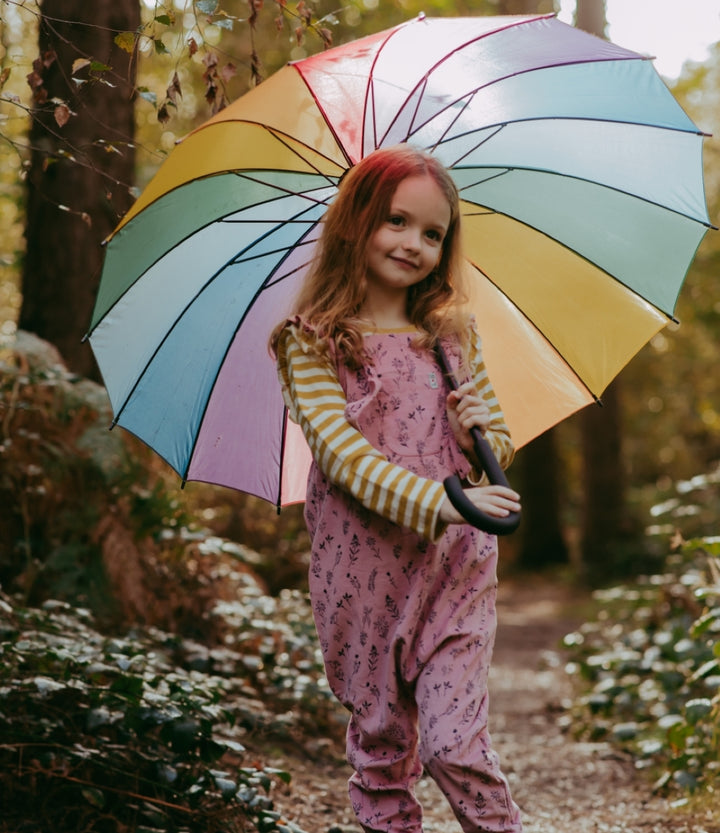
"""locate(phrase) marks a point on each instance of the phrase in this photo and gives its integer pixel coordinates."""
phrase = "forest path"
(560, 784)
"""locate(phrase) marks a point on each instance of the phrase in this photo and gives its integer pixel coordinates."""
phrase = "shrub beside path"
(562, 785)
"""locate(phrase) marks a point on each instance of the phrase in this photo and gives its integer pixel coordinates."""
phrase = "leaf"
(705, 670)
(282, 774)
(160, 48)
(62, 114)
(228, 71)
(207, 6)
(4, 75)
(129, 686)
(148, 95)
(163, 114)
(174, 90)
(165, 19)
(94, 797)
(99, 66)
(80, 63)
(192, 47)
(698, 708)
(125, 40)
(705, 622)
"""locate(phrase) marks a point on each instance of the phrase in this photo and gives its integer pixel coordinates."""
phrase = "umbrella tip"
(421, 16)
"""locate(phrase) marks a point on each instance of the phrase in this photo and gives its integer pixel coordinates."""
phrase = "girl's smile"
(407, 245)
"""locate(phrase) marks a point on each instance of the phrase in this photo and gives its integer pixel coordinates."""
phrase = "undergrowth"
(147, 732)
(648, 668)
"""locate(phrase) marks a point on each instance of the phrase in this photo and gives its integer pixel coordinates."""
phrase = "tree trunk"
(524, 6)
(590, 17)
(541, 539)
(77, 187)
(610, 543)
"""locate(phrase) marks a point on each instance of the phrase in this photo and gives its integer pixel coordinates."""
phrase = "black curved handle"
(491, 467)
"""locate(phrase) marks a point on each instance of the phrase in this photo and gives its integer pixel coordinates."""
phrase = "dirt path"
(561, 786)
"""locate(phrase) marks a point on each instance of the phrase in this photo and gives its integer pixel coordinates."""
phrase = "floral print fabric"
(407, 626)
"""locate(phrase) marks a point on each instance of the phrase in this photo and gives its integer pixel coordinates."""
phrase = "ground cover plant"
(147, 731)
(648, 668)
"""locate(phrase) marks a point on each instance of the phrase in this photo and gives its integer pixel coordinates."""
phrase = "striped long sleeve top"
(316, 401)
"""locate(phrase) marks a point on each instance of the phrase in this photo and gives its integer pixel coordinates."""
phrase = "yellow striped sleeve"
(498, 434)
(316, 401)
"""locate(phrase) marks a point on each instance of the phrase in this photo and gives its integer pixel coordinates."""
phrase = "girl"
(403, 591)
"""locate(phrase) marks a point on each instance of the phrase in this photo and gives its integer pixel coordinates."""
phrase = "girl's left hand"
(466, 409)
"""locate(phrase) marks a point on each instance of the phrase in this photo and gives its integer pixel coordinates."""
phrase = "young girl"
(403, 591)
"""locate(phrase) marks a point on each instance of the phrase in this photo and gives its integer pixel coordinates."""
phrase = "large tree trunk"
(609, 530)
(76, 187)
(541, 536)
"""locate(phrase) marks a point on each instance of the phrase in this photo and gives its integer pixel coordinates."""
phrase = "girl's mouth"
(401, 261)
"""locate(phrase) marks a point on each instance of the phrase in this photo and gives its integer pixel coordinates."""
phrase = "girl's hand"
(498, 501)
(466, 409)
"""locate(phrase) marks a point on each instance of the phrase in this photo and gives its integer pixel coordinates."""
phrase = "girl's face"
(407, 245)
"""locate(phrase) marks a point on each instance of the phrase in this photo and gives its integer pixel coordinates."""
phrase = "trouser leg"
(455, 744)
(386, 766)
(361, 653)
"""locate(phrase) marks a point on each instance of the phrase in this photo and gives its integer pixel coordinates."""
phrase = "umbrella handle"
(491, 467)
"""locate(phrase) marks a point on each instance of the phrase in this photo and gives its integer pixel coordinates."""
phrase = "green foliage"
(146, 731)
(63, 473)
(652, 664)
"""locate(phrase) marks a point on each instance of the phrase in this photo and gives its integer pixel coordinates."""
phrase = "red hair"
(334, 288)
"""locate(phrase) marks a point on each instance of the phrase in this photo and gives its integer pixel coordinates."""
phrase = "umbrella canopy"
(582, 194)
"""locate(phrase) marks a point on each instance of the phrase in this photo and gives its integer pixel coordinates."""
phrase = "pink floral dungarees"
(407, 626)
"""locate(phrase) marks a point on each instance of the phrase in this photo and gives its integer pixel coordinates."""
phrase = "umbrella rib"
(446, 56)
(451, 125)
(535, 327)
(472, 93)
(560, 243)
(327, 121)
(588, 119)
(284, 191)
(208, 399)
(187, 306)
(510, 169)
(287, 191)
(281, 137)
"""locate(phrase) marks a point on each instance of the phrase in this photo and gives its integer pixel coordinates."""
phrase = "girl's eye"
(395, 220)
(435, 236)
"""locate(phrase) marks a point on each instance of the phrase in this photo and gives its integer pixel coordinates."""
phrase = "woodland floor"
(560, 784)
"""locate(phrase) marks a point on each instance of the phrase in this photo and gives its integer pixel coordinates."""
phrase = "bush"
(652, 661)
(145, 732)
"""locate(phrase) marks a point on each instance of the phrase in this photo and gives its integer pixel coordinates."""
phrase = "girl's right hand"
(498, 501)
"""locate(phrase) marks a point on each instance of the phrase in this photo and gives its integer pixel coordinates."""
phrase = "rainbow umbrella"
(582, 188)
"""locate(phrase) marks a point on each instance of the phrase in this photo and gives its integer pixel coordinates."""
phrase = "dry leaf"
(62, 114)
(228, 72)
(174, 90)
(80, 63)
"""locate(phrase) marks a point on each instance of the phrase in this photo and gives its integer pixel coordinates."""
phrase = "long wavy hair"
(335, 286)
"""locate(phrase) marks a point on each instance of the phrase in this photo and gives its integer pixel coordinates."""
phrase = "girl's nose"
(411, 240)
